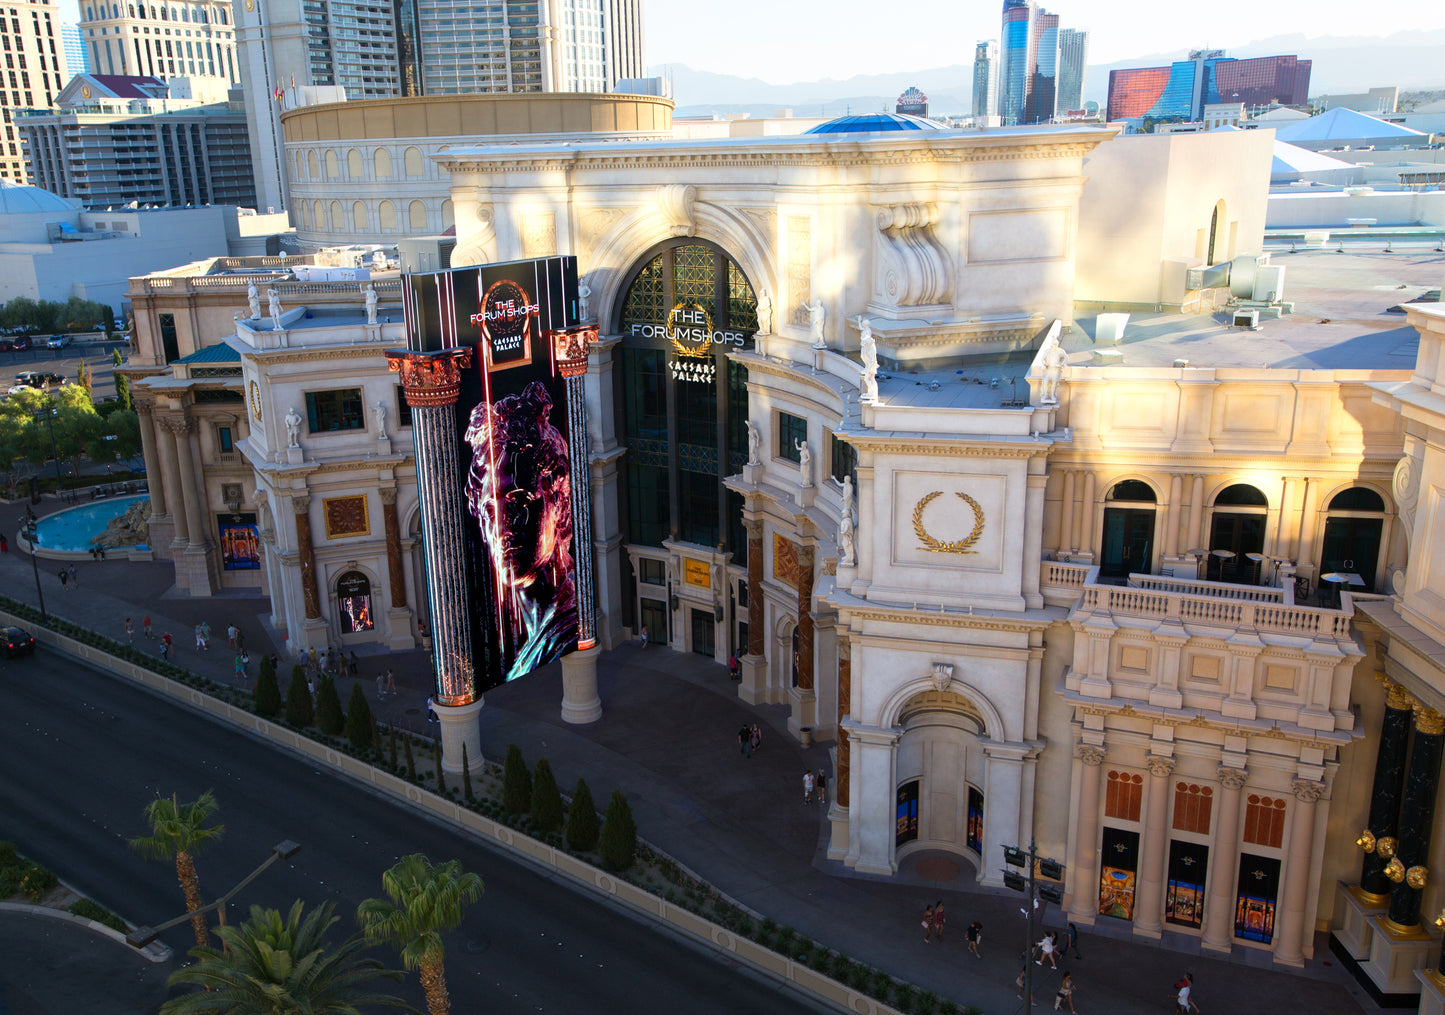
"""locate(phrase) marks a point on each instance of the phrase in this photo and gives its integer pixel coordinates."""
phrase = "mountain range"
(1341, 64)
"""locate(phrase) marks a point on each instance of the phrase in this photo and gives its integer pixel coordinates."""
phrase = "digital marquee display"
(515, 466)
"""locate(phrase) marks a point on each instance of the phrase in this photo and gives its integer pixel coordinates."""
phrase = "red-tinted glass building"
(1181, 91)
(1263, 81)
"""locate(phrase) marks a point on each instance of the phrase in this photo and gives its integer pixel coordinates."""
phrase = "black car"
(15, 343)
(16, 642)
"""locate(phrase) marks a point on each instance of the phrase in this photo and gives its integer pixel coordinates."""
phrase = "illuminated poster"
(975, 819)
(513, 456)
(1184, 903)
(1254, 905)
(1118, 874)
(353, 600)
(240, 543)
(907, 814)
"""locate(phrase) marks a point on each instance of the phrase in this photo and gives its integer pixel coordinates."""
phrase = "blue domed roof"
(20, 198)
(873, 123)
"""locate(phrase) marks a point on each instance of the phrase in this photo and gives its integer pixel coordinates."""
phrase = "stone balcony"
(1181, 649)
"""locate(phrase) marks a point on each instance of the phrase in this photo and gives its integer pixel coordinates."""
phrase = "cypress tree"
(436, 758)
(582, 820)
(266, 694)
(619, 834)
(329, 718)
(391, 747)
(410, 761)
(467, 773)
(516, 782)
(122, 392)
(360, 726)
(546, 801)
(298, 700)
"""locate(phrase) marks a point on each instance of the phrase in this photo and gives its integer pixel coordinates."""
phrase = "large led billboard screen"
(514, 486)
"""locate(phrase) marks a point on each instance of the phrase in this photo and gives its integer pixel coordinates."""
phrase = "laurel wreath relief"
(963, 545)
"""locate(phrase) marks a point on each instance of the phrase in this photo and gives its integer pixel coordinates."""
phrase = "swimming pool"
(72, 530)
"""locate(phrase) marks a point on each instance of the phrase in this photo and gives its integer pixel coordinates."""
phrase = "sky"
(784, 41)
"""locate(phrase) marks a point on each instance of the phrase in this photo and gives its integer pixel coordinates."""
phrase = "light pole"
(49, 413)
(1033, 892)
(142, 936)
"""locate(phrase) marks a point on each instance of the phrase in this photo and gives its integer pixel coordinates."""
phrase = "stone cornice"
(934, 618)
(312, 355)
(951, 447)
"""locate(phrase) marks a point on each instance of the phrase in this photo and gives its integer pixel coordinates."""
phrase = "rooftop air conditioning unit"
(1246, 319)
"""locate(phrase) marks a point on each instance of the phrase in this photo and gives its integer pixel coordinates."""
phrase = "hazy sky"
(783, 41)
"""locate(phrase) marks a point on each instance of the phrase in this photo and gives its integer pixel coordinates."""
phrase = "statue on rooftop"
(1053, 359)
(273, 307)
(253, 302)
(868, 351)
(815, 322)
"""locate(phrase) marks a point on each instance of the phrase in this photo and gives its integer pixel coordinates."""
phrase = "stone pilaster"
(170, 469)
(1149, 902)
(752, 687)
(310, 594)
(400, 627)
(1219, 906)
(1084, 883)
(804, 697)
(1289, 950)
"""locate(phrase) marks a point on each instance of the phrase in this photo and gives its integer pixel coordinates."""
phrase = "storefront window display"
(1184, 904)
(240, 542)
(1255, 901)
(1118, 874)
(353, 598)
(907, 813)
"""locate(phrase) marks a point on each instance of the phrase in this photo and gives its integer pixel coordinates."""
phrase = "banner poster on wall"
(513, 454)
(240, 542)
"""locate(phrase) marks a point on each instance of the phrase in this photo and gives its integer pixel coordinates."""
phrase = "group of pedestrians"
(1048, 949)
(815, 786)
(750, 739)
(69, 577)
(385, 683)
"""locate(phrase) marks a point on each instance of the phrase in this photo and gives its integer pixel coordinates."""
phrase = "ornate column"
(1389, 783)
(172, 472)
(1149, 902)
(432, 381)
(1219, 906)
(580, 700)
(1171, 522)
(1290, 949)
(1067, 543)
(310, 596)
(804, 697)
(753, 685)
(1308, 513)
(1086, 515)
(1407, 867)
(400, 630)
(1084, 884)
(839, 811)
(154, 480)
(1196, 515)
(180, 429)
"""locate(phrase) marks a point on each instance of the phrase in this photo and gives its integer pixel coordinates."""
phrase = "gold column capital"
(1428, 721)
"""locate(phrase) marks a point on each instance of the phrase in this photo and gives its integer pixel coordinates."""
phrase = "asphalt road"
(98, 357)
(82, 753)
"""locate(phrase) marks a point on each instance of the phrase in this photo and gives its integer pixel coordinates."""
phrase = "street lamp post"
(1051, 869)
(142, 936)
(49, 413)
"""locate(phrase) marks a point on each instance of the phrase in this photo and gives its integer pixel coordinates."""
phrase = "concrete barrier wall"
(579, 872)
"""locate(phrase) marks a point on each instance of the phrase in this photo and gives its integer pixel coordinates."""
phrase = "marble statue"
(273, 307)
(805, 462)
(755, 443)
(848, 495)
(253, 302)
(765, 313)
(371, 301)
(815, 322)
(868, 350)
(293, 428)
(1054, 361)
(379, 412)
(847, 550)
(584, 296)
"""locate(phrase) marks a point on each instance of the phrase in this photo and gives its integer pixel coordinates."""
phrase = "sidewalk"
(668, 739)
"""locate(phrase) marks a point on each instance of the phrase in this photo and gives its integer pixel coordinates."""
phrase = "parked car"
(58, 341)
(16, 642)
(39, 378)
(16, 343)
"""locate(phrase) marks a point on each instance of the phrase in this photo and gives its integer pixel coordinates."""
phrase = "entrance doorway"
(1236, 531)
(702, 632)
(1353, 532)
(654, 619)
(1128, 543)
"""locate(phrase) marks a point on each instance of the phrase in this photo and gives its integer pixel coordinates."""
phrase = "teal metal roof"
(218, 353)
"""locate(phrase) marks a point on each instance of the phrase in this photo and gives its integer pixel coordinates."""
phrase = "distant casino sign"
(689, 329)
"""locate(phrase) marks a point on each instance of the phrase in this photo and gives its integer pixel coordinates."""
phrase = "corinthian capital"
(1159, 767)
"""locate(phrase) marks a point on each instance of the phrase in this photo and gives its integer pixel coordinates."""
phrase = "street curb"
(579, 872)
(154, 952)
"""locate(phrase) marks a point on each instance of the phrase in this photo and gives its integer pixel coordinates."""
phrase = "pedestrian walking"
(200, 639)
(1046, 951)
(822, 783)
(808, 788)
(129, 631)
(1020, 984)
(231, 635)
(353, 665)
(974, 936)
(311, 657)
(1183, 1002)
(390, 682)
(927, 924)
(206, 635)
(433, 724)
(1071, 940)
(644, 636)
(65, 579)
(756, 740)
(745, 741)
(380, 686)
(166, 643)
(938, 920)
(311, 685)
(4, 544)
(735, 667)
(145, 623)
(1065, 996)
(240, 669)
(75, 576)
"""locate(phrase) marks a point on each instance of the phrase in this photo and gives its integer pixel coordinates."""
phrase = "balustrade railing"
(1220, 590)
(1216, 611)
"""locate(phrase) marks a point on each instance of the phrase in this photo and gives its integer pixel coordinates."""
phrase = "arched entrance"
(1128, 544)
(1235, 532)
(1353, 530)
(940, 773)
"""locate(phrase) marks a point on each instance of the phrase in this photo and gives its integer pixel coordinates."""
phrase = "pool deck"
(136, 552)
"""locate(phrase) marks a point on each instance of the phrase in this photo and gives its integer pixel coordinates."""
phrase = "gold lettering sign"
(696, 572)
(345, 516)
(964, 545)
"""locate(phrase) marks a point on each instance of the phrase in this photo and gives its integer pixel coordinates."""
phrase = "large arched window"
(416, 216)
(685, 406)
(1352, 538)
(336, 221)
(358, 216)
(448, 215)
(386, 215)
(413, 162)
(1236, 534)
(353, 603)
(332, 170)
(353, 164)
(382, 163)
(311, 165)
(1128, 544)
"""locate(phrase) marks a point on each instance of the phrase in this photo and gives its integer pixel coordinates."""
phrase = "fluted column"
(845, 697)
(1067, 542)
(1389, 783)
(180, 429)
(1196, 515)
(1309, 512)
(432, 382)
(1086, 512)
(155, 481)
(1290, 949)
(1219, 906)
(1086, 839)
(171, 468)
(394, 572)
(1171, 518)
(756, 637)
(805, 618)
(1149, 904)
(1407, 869)
(310, 594)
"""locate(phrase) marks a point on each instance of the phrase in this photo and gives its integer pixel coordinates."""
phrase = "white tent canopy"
(1342, 127)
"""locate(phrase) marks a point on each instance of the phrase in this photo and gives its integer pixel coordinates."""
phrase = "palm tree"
(181, 830)
(423, 900)
(276, 966)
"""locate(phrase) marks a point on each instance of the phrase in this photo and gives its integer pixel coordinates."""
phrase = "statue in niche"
(765, 313)
(293, 428)
(755, 443)
(847, 551)
(815, 322)
(868, 351)
(584, 298)
(379, 412)
(805, 462)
